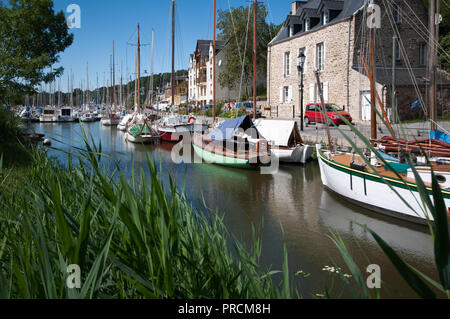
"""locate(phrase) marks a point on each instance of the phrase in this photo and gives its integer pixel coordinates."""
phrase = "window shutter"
(312, 93)
(325, 91)
(281, 95)
(291, 98)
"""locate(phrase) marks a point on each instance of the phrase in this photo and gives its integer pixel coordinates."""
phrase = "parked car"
(313, 114)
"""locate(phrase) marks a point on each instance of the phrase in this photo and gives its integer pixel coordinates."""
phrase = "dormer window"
(307, 25)
(325, 17)
(291, 31)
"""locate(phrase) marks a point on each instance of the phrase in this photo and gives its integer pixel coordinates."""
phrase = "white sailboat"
(140, 128)
(389, 189)
(112, 119)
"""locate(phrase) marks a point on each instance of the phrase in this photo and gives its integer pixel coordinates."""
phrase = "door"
(365, 106)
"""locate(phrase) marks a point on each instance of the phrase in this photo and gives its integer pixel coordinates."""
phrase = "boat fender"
(192, 120)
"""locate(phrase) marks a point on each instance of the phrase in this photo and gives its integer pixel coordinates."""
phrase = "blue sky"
(103, 21)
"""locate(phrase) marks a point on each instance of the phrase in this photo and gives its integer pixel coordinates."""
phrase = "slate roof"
(311, 9)
(203, 46)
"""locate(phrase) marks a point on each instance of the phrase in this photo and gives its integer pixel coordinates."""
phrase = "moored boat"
(348, 176)
(174, 127)
(235, 143)
(48, 115)
(285, 140)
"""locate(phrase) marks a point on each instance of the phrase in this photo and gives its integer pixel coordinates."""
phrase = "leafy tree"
(444, 32)
(32, 36)
(233, 28)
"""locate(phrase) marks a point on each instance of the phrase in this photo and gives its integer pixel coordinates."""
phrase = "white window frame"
(325, 17)
(320, 62)
(287, 64)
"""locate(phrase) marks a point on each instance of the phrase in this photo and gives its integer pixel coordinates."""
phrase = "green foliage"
(444, 60)
(233, 28)
(132, 239)
(32, 36)
(12, 142)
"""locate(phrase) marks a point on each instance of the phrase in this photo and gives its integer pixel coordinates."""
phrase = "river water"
(290, 207)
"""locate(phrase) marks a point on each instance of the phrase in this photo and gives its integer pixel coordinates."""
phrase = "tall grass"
(131, 239)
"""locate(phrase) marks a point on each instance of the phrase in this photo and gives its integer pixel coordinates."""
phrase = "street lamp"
(300, 67)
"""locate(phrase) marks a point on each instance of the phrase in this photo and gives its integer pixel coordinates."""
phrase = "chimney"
(296, 5)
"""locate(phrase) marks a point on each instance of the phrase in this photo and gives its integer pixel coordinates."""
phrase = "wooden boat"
(235, 143)
(111, 120)
(141, 133)
(348, 176)
(285, 140)
(174, 127)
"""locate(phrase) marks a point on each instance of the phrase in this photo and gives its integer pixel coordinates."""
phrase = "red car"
(314, 114)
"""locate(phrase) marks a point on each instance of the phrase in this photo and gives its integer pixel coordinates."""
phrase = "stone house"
(331, 34)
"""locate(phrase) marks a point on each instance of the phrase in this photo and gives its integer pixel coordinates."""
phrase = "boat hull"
(300, 154)
(143, 139)
(213, 158)
(370, 191)
(110, 122)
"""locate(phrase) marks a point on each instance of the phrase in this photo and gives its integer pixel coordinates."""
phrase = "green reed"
(131, 238)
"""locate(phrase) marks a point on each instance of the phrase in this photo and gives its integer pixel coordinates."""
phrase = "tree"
(32, 36)
(444, 34)
(236, 27)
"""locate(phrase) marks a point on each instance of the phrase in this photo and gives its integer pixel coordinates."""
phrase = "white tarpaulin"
(276, 132)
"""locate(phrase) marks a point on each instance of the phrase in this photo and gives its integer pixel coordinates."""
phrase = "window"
(287, 64)
(307, 24)
(396, 13)
(423, 55)
(286, 94)
(325, 17)
(398, 54)
(320, 57)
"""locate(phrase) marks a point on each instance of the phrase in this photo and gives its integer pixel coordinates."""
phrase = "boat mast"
(373, 113)
(432, 59)
(114, 80)
(173, 52)
(139, 72)
(151, 67)
(214, 65)
(87, 86)
(255, 7)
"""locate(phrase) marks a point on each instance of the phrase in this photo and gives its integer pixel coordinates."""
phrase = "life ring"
(192, 119)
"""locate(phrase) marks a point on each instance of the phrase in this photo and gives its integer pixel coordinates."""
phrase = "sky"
(105, 21)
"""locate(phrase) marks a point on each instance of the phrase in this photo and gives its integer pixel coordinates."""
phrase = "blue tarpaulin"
(416, 104)
(388, 157)
(228, 128)
(441, 136)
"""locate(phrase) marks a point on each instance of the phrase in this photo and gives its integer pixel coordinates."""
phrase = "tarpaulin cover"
(228, 128)
(440, 136)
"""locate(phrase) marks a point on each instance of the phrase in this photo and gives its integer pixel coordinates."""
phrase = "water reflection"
(289, 207)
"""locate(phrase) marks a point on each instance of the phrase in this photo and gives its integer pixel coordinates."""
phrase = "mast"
(432, 60)
(87, 86)
(139, 72)
(214, 65)
(114, 79)
(151, 67)
(373, 113)
(173, 52)
(255, 7)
